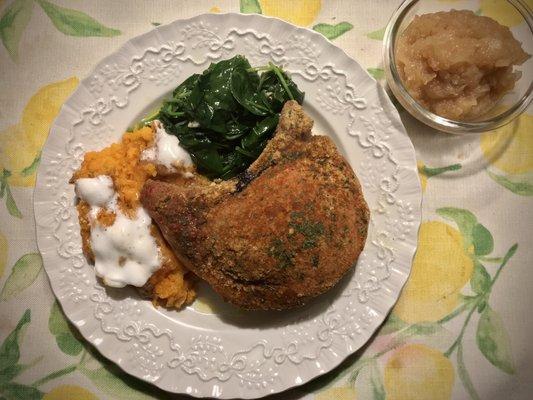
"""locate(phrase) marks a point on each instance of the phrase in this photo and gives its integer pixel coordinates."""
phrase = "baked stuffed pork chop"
(282, 233)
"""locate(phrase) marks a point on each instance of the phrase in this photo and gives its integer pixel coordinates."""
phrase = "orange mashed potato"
(458, 64)
(172, 285)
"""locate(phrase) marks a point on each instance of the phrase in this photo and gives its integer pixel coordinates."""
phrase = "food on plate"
(284, 231)
(118, 236)
(226, 183)
(458, 64)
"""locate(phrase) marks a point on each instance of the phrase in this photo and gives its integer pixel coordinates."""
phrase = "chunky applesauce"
(458, 64)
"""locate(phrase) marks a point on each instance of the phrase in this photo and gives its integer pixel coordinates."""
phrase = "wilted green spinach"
(225, 116)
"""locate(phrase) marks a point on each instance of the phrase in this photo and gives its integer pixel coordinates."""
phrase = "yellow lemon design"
(215, 9)
(423, 177)
(3, 253)
(441, 268)
(510, 148)
(16, 153)
(418, 372)
(20, 144)
(298, 12)
(69, 392)
(502, 11)
(43, 108)
(338, 393)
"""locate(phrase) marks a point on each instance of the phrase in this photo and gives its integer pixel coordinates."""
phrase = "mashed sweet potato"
(122, 162)
(172, 285)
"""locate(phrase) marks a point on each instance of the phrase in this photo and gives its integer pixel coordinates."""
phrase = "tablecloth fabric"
(461, 328)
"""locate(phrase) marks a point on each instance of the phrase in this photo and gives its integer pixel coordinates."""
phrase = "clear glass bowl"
(509, 107)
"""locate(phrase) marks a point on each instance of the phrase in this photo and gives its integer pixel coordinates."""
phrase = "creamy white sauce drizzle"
(167, 150)
(125, 253)
(95, 191)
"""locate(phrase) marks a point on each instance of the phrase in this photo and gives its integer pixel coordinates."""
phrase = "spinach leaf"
(225, 116)
(186, 96)
(244, 89)
(217, 100)
(255, 142)
(275, 92)
(235, 130)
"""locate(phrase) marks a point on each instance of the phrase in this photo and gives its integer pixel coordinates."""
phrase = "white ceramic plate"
(224, 352)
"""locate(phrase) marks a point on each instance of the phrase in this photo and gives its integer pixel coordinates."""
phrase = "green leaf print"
(6, 190)
(367, 378)
(3, 181)
(482, 240)
(464, 376)
(376, 73)
(69, 344)
(11, 205)
(12, 24)
(10, 372)
(250, 7)
(481, 306)
(508, 255)
(9, 350)
(493, 341)
(517, 187)
(75, 23)
(333, 31)
(23, 274)
(429, 172)
(480, 281)
(420, 329)
(32, 168)
(464, 219)
(376, 382)
(423, 329)
(473, 232)
(65, 334)
(377, 35)
(16, 391)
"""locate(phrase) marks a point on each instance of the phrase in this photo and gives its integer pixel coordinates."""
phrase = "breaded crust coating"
(283, 232)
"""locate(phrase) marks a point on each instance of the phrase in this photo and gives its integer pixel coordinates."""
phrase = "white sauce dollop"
(167, 150)
(95, 191)
(125, 253)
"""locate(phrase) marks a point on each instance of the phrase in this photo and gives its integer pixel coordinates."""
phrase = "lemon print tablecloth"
(462, 327)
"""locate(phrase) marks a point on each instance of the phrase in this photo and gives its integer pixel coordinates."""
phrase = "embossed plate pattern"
(251, 354)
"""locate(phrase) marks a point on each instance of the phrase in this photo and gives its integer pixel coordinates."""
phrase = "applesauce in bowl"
(458, 71)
